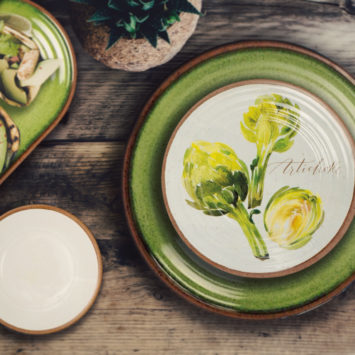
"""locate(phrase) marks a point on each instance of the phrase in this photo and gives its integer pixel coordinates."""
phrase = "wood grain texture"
(135, 312)
(78, 168)
(108, 102)
(83, 178)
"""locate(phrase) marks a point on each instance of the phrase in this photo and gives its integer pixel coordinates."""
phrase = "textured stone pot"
(129, 54)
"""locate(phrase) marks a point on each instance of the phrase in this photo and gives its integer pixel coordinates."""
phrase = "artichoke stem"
(256, 242)
(256, 189)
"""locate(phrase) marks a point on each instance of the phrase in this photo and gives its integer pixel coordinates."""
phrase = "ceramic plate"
(37, 105)
(246, 178)
(190, 275)
(50, 272)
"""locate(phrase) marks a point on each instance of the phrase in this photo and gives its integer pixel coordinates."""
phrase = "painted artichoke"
(271, 124)
(292, 216)
(217, 182)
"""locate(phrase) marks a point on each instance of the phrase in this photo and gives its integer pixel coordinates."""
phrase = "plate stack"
(239, 180)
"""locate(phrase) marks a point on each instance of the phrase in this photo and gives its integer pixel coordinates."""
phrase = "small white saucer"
(50, 269)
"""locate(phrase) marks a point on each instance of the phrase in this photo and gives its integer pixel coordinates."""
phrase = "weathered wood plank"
(135, 312)
(84, 178)
(108, 102)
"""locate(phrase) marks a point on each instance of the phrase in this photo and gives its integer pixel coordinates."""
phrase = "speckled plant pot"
(127, 54)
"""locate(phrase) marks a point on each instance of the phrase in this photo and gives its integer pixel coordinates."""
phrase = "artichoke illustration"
(271, 124)
(292, 216)
(217, 182)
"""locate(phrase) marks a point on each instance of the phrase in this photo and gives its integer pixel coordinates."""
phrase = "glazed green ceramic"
(33, 120)
(185, 270)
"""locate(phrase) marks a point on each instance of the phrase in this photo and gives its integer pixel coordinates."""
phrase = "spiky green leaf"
(148, 19)
(115, 5)
(186, 6)
(164, 35)
(115, 35)
(147, 5)
(133, 3)
(100, 15)
(151, 36)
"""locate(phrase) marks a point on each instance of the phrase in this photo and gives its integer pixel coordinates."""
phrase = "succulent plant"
(134, 19)
(217, 182)
(292, 216)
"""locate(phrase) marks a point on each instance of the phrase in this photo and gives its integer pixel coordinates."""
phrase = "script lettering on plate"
(291, 166)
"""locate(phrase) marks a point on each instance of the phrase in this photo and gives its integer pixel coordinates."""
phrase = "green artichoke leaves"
(217, 182)
(271, 124)
(214, 177)
(292, 216)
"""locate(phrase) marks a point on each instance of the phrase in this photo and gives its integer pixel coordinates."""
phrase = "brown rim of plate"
(99, 264)
(61, 114)
(171, 283)
(323, 252)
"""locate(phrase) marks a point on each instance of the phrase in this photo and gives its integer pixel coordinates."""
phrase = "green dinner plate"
(153, 232)
(40, 117)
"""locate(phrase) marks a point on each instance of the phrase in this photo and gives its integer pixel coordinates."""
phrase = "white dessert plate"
(50, 269)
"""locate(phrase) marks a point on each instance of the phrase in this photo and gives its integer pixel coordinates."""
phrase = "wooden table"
(78, 168)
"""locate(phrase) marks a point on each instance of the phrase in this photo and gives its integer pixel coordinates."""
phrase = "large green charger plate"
(153, 232)
(43, 114)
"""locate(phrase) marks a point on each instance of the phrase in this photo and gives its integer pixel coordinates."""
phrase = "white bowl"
(50, 269)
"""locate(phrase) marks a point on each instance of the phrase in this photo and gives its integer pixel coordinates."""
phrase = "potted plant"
(134, 35)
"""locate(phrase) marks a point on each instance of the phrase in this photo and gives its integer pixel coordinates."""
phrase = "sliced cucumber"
(17, 22)
(43, 71)
(3, 65)
(11, 90)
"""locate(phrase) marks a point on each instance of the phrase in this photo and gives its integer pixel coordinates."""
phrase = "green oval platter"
(37, 120)
(150, 226)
